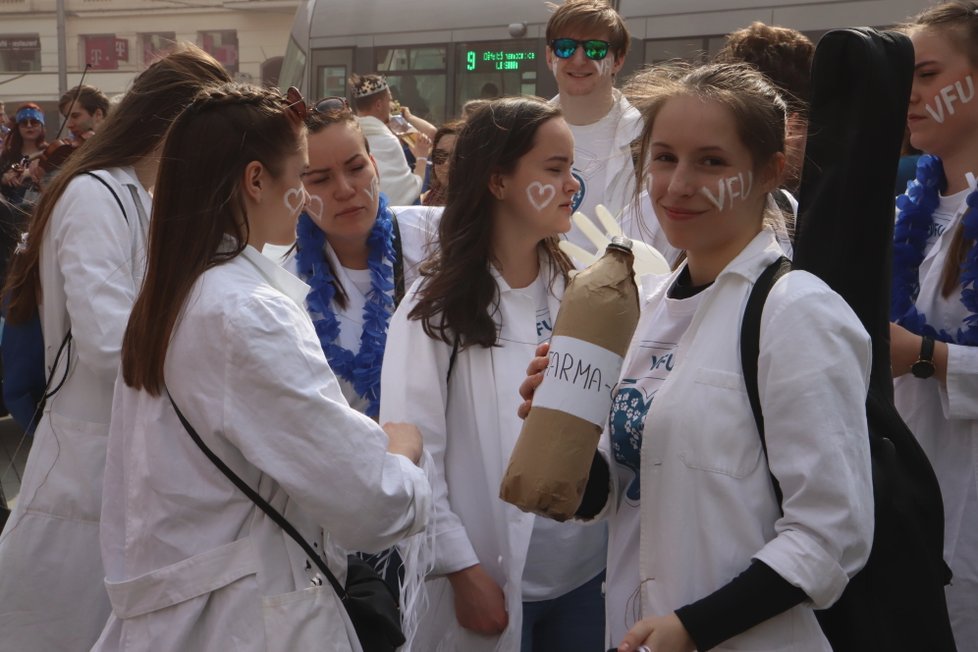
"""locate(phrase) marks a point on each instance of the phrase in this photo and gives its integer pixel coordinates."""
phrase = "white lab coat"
(708, 505)
(397, 180)
(944, 418)
(92, 260)
(470, 427)
(191, 563)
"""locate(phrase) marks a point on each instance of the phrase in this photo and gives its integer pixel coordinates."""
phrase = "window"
(417, 76)
(156, 45)
(223, 46)
(100, 51)
(20, 52)
(293, 66)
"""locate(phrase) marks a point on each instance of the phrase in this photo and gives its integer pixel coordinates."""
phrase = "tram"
(437, 55)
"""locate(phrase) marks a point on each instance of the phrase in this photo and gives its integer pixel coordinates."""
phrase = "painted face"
(536, 197)
(440, 157)
(343, 184)
(705, 192)
(30, 130)
(282, 201)
(80, 121)
(580, 76)
(943, 108)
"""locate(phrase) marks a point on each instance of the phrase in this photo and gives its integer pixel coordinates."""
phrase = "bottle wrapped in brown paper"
(549, 467)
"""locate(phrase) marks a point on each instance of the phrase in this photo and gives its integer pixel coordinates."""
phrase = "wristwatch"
(924, 366)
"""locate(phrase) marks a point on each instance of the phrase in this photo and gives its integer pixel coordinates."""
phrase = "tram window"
(410, 58)
(332, 81)
(293, 66)
(423, 93)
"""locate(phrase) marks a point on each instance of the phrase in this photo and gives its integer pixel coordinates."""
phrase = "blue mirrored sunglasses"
(564, 48)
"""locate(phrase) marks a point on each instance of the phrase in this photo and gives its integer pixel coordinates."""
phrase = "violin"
(56, 153)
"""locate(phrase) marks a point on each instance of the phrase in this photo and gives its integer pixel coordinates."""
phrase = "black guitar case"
(861, 83)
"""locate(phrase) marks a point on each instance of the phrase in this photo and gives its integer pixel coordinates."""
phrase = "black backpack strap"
(451, 360)
(398, 262)
(750, 345)
(114, 195)
(272, 513)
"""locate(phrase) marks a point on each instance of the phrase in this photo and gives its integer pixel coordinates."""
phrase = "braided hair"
(198, 202)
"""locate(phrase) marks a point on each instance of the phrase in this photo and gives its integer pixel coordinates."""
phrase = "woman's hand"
(480, 604)
(534, 376)
(421, 147)
(404, 439)
(659, 634)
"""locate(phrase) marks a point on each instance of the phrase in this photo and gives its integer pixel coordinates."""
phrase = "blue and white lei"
(362, 370)
(910, 235)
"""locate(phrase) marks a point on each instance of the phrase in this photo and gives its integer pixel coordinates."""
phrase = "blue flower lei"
(910, 235)
(362, 369)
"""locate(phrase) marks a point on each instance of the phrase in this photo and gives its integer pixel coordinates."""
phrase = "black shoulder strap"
(398, 262)
(750, 345)
(114, 195)
(451, 360)
(260, 502)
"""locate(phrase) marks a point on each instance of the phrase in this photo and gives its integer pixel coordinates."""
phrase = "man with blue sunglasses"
(586, 46)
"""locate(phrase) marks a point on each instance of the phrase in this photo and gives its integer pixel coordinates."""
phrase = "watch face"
(922, 369)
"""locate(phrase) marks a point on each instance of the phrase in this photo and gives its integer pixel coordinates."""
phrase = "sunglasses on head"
(594, 49)
(294, 101)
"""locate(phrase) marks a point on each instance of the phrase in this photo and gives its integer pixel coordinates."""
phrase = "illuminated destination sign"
(482, 60)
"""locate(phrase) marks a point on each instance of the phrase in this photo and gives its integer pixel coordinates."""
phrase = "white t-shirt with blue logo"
(650, 359)
(592, 149)
(561, 556)
(942, 215)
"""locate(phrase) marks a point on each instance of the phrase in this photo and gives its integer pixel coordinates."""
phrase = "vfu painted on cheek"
(729, 190)
(371, 189)
(943, 102)
(540, 195)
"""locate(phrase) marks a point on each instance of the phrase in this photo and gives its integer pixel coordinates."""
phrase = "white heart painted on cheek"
(314, 207)
(294, 199)
(540, 195)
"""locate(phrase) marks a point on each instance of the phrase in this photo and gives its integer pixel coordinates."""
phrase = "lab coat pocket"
(720, 434)
(309, 619)
(73, 460)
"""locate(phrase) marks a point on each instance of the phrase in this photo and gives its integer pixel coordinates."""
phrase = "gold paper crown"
(369, 85)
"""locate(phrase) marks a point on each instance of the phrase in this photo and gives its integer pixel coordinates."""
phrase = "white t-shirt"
(942, 216)
(562, 556)
(592, 148)
(648, 363)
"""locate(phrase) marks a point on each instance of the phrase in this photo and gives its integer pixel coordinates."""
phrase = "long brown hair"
(958, 22)
(131, 132)
(198, 200)
(459, 293)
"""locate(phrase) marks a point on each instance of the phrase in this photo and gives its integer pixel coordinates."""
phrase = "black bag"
(896, 602)
(369, 602)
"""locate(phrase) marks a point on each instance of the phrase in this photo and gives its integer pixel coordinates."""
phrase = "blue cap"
(29, 112)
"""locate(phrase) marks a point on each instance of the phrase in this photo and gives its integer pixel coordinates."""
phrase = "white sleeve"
(813, 377)
(282, 409)
(397, 181)
(414, 390)
(962, 382)
(93, 245)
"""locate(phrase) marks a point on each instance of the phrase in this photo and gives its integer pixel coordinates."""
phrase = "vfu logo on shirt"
(578, 197)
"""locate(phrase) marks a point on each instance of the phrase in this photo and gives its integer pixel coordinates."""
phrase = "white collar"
(276, 276)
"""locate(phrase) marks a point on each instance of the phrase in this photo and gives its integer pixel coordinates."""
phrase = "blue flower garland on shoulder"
(910, 235)
(362, 370)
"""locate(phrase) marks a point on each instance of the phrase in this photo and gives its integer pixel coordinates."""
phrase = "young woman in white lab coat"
(934, 337)
(456, 354)
(221, 332)
(700, 554)
(81, 269)
(351, 252)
